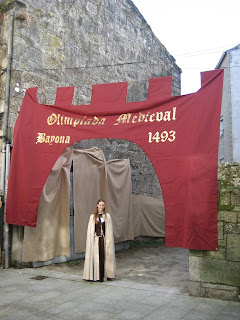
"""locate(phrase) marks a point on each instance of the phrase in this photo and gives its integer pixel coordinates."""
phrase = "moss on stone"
(220, 271)
(196, 253)
(19, 265)
(228, 207)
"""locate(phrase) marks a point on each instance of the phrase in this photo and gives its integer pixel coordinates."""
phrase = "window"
(221, 127)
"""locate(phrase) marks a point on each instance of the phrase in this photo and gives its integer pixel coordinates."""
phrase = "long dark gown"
(100, 232)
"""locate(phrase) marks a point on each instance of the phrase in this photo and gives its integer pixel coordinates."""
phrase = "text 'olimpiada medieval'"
(126, 119)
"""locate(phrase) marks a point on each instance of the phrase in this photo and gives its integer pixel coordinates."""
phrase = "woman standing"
(100, 251)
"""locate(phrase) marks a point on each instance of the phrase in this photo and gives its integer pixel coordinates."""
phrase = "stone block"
(220, 226)
(225, 197)
(206, 269)
(233, 248)
(196, 253)
(235, 169)
(4, 63)
(122, 149)
(227, 216)
(139, 157)
(195, 288)
(2, 106)
(235, 198)
(146, 169)
(232, 228)
(15, 243)
(222, 292)
(135, 168)
(219, 254)
(235, 229)
(135, 188)
(229, 295)
(134, 147)
(222, 243)
(203, 292)
(195, 267)
(4, 77)
(236, 182)
(142, 186)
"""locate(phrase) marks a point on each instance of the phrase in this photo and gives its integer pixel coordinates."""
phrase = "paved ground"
(151, 284)
(153, 264)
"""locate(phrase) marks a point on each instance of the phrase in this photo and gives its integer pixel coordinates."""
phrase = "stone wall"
(79, 43)
(84, 42)
(216, 274)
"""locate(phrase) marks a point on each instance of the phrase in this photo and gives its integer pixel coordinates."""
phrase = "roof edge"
(224, 54)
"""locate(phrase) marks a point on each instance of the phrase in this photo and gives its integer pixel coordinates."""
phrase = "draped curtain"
(93, 178)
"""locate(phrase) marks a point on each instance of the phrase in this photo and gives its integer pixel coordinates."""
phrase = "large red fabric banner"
(179, 134)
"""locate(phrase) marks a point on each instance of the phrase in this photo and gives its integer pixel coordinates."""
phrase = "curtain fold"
(51, 236)
(149, 216)
(89, 185)
(120, 190)
(93, 178)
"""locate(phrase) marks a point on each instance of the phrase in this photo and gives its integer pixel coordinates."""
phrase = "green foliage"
(4, 5)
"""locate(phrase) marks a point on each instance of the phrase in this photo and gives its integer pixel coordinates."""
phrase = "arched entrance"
(150, 262)
(94, 178)
(181, 143)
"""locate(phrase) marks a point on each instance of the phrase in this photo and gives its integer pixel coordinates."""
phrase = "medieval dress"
(100, 250)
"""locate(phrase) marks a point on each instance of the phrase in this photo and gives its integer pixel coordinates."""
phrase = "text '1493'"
(163, 137)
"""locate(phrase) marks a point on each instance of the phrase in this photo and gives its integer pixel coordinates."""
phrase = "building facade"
(229, 141)
(79, 43)
(50, 44)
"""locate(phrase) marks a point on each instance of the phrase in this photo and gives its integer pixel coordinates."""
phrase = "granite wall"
(216, 274)
(80, 43)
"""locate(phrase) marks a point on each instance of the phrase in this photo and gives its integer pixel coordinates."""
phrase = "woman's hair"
(96, 211)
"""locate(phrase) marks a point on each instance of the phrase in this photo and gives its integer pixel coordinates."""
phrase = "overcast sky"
(195, 32)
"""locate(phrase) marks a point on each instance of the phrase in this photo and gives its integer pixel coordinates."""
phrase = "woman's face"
(101, 206)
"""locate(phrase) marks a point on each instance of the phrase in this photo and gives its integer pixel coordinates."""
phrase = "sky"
(195, 33)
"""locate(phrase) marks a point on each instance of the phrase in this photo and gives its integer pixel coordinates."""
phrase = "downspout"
(6, 143)
(6, 227)
(3, 156)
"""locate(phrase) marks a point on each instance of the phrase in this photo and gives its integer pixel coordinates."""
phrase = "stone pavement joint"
(64, 296)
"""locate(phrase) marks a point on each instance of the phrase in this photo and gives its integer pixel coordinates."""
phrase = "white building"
(229, 141)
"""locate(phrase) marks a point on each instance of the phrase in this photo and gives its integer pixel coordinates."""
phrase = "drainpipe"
(3, 169)
(6, 143)
(6, 227)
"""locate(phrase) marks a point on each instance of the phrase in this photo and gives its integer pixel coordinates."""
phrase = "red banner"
(179, 134)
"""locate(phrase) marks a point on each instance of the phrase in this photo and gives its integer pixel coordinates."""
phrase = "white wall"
(235, 100)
